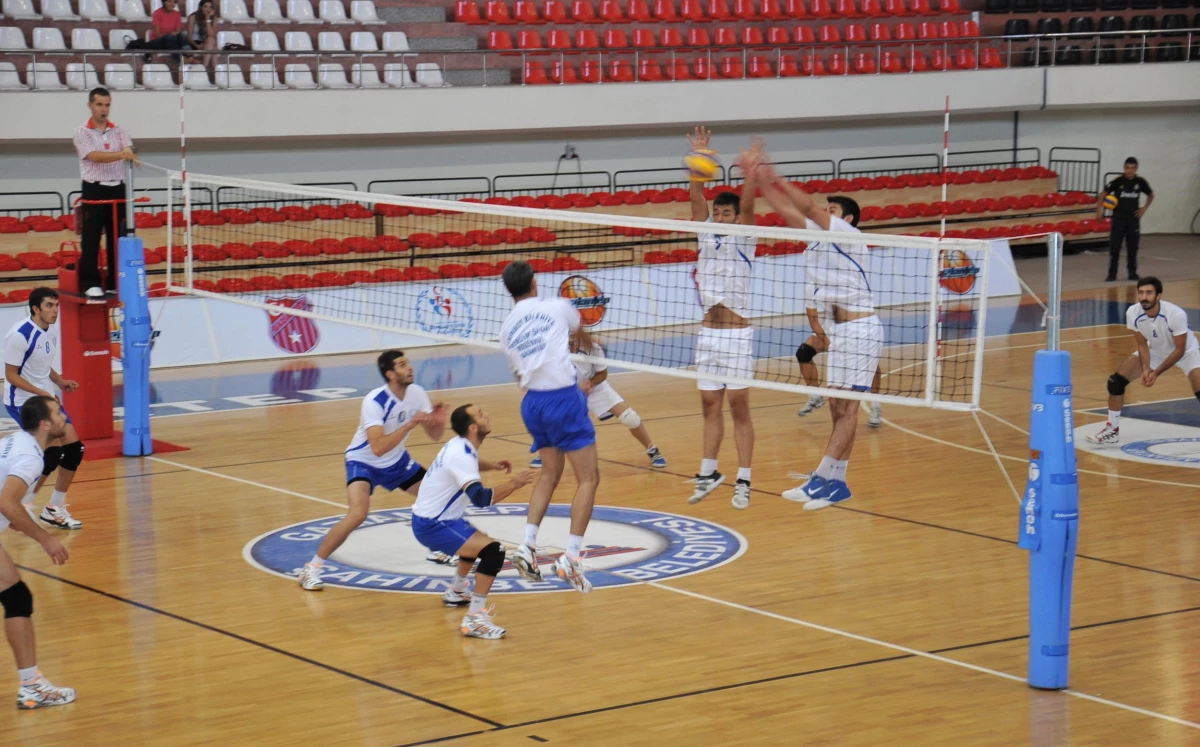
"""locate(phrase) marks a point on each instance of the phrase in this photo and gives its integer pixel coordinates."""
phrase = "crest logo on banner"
(294, 334)
(958, 272)
(586, 297)
(444, 311)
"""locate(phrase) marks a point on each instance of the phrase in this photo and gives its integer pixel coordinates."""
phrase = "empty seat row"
(327, 41)
(85, 39)
(231, 11)
(664, 11)
(1107, 54)
(1108, 24)
(1079, 6)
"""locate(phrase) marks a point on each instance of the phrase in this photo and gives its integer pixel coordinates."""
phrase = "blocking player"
(21, 458)
(818, 342)
(856, 337)
(376, 456)
(438, 522)
(535, 338)
(29, 351)
(1161, 332)
(725, 346)
(604, 402)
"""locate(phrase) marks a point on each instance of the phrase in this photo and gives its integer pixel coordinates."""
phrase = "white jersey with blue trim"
(838, 270)
(381, 407)
(443, 492)
(724, 269)
(32, 350)
(1160, 331)
(20, 456)
(536, 340)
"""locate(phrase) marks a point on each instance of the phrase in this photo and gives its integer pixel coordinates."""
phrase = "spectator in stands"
(168, 22)
(102, 145)
(202, 31)
(1126, 217)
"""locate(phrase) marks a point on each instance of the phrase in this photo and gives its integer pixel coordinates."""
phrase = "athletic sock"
(1114, 417)
(825, 469)
(459, 583)
(574, 546)
(707, 467)
(531, 531)
(57, 499)
(839, 470)
(478, 602)
(744, 473)
(317, 561)
(29, 675)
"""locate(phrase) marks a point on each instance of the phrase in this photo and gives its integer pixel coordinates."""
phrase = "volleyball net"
(421, 271)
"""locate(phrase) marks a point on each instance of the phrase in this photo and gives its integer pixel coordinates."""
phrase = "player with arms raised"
(376, 456)
(438, 523)
(725, 346)
(1160, 329)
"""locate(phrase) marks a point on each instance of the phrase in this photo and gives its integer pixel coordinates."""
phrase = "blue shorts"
(15, 413)
(400, 476)
(558, 418)
(443, 536)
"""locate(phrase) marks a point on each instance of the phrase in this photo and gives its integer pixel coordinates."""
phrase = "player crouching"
(438, 523)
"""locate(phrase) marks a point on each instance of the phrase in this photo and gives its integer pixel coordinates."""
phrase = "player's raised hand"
(1148, 378)
(700, 138)
(751, 158)
(58, 554)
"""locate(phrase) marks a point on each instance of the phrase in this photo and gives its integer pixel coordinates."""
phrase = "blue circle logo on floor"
(1182, 450)
(623, 546)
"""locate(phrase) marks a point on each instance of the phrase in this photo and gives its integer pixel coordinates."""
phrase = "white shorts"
(1189, 362)
(854, 349)
(725, 352)
(602, 399)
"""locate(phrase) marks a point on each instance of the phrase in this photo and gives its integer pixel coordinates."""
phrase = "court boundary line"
(794, 621)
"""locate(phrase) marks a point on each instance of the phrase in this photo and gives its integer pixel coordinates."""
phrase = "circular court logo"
(623, 546)
(1181, 450)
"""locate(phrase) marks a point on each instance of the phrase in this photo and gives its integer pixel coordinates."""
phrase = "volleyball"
(958, 272)
(702, 165)
(1110, 202)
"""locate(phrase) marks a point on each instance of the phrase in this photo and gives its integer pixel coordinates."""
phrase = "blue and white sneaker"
(657, 460)
(834, 491)
(536, 462)
(797, 493)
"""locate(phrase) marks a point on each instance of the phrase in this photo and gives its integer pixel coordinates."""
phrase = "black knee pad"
(17, 601)
(491, 560)
(1117, 384)
(805, 353)
(72, 456)
(51, 458)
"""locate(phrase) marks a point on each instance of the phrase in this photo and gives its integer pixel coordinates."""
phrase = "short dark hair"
(387, 360)
(1131, 161)
(100, 91)
(850, 209)
(518, 278)
(728, 198)
(34, 411)
(1151, 280)
(39, 295)
(461, 420)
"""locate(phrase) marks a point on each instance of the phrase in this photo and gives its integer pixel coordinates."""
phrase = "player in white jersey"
(376, 456)
(819, 319)
(838, 271)
(725, 346)
(605, 403)
(536, 340)
(42, 421)
(30, 348)
(437, 517)
(1160, 329)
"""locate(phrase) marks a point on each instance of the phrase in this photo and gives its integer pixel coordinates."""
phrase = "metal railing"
(917, 163)
(999, 158)
(36, 204)
(1078, 168)
(667, 178)
(546, 184)
(443, 187)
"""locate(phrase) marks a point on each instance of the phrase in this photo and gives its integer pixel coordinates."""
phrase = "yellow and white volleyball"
(702, 165)
(1110, 201)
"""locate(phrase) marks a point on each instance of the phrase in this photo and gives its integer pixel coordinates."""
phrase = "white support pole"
(1054, 249)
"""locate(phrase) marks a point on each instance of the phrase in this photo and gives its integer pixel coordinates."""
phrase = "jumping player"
(856, 337)
(725, 346)
(604, 402)
(376, 456)
(21, 457)
(1161, 332)
(438, 521)
(535, 338)
(29, 351)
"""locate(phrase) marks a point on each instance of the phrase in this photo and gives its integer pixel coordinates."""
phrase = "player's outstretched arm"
(780, 202)
(750, 160)
(699, 140)
(500, 492)
(10, 505)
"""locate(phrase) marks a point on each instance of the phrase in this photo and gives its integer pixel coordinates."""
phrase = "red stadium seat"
(684, 255)
(620, 71)
(822, 9)
(964, 59)
(772, 10)
(392, 244)
(937, 59)
(671, 37)
(692, 10)
(805, 35)
(638, 11)
(359, 276)
(874, 9)
(554, 12)
(698, 37)
(952, 6)
(948, 30)
(927, 31)
(920, 8)
(725, 36)
(880, 32)
(905, 32)
(745, 10)
(499, 40)
(267, 282)
(616, 39)
(718, 10)
(529, 40)
(651, 71)
(847, 9)
(837, 64)
(732, 67)
(589, 71)
(328, 212)
(777, 36)
(760, 67)
(891, 63)
(656, 258)
(813, 65)
(563, 73)
(968, 30)
(679, 70)
(452, 271)
(989, 57)
(300, 248)
(467, 11)
(610, 11)
(496, 11)
(917, 61)
(856, 33)
(795, 9)
(535, 74)
(420, 273)
(483, 269)
(298, 281)
(789, 68)
(701, 69)
(830, 34)
(525, 11)
(582, 11)
(753, 36)
(586, 39)
(664, 11)
(387, 275)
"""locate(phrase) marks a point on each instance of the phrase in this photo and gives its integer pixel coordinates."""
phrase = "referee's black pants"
(98, 220)
(1129, 230)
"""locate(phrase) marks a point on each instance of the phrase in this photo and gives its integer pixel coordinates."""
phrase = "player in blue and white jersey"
(376, 456)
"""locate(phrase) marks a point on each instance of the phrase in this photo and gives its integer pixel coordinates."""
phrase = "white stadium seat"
(58, 10)
(9, 80)
(363, 11)
(268, 11)
(132, 11)
(230, 37)
(119, 76)
(86, 39)
(395, 41)
(195, 77)
(396, 75)
(82, 76)
(21, 10)
(118, 38)
(429, 75)
(301, 11)
(363, 41)
(297, 41)
(230, 76)
(263, 75)
(12, 37)
(96, 10)
(49, 39)
(157, 76)
(234, 11)
(332, 76)
(43, 76)
(366, 75)
(332, 11)
(264, 41)
(331, 41)
(298, 76)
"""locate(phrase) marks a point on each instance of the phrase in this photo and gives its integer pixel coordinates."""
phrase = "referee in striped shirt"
(102, 145)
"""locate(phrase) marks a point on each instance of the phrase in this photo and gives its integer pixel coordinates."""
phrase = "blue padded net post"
(135, 340)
